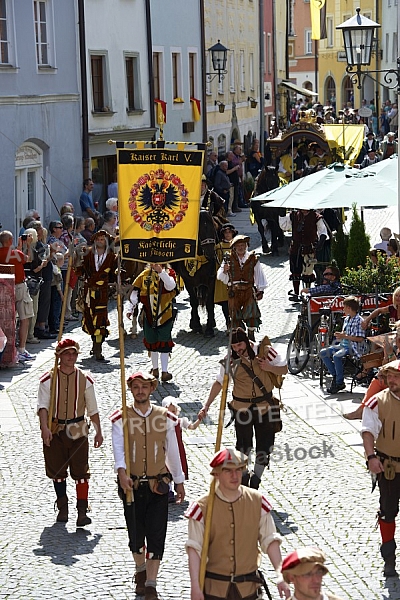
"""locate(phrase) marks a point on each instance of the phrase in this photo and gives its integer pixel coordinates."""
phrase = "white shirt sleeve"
(185, 422)
(321, 228)
(221, 276)
(172, 457)
(260, 280)
(267, 532)
(168, 281)
(220, 375)
(134, 298)
(90, 399)
(44, 395)
(117, 436)
(370, 421)
(285, 223)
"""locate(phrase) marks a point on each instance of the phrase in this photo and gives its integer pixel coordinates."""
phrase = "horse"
(268, 180)
(199, 275)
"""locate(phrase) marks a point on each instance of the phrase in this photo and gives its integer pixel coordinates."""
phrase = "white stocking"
(164, 361)
(154, 360)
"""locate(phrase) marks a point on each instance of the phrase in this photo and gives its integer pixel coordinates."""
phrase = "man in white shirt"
(244, 276)
(154, 461)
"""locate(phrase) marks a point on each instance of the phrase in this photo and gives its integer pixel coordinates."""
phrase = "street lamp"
(358, 37)
(253, 101)
(218, 59)
(221, 106)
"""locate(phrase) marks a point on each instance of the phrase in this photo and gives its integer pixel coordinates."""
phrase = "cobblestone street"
(317, 483)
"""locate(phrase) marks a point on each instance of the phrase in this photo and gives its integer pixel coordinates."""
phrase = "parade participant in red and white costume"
(66, 443)
(380, 426)
(241, 526)
(154, 461)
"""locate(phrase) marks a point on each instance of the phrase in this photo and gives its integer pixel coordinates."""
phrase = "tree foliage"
(359, 242)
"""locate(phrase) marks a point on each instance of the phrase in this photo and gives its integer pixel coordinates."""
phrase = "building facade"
(118, 67)
(39, 109)
(233, 103)
(177, 68)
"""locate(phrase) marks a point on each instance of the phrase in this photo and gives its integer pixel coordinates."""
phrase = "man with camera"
(9, 255)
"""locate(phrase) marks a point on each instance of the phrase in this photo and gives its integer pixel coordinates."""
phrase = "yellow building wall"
(329, 50)
(236, 24)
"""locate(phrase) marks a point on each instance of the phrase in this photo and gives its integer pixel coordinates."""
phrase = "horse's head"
(207, 235)
(267, 180)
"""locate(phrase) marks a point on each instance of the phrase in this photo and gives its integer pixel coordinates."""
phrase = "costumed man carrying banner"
(256, 369)
(154, 462)
(155, 288)
(65, 443)
(241, 524)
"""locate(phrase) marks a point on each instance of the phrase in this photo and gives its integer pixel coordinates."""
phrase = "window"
(251, 71)
(394, 47)
(329, 32)
(176, 75)
(308, 42)
(4, 41)
(43, 32)
(157, 75)
(387, 48)
(192, 75)
(242, 72)
(101, 98)
(132, 82)
(232, 72)
(269, 53)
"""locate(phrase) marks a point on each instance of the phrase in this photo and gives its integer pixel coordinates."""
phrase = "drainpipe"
(84, 91)
(262, 68)
(203, 71)
(150, 64)
(276, 106)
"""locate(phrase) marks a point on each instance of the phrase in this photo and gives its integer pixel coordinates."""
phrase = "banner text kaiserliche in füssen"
(159, 203)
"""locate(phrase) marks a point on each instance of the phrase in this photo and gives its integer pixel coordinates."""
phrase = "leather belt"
(68, 421)
(383, 455)
(256, 400)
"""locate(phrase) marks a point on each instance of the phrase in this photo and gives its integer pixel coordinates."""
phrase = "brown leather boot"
(97, 351)
(62, 505)
(165, 376)
(83, 519)
(150, 593)
(155, 373)
(140, 580)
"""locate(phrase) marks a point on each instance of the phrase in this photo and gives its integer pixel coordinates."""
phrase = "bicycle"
(299, 346)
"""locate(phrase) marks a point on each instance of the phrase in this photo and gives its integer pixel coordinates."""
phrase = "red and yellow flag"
(161, 111)
(159, 203)
(318, 19)
(196, 109)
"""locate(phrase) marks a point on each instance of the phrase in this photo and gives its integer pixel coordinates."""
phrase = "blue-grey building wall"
(40, 107)
(176, 26)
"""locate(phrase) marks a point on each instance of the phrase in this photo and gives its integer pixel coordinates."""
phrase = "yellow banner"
(159, 203)
(345, 142)
(318, 19)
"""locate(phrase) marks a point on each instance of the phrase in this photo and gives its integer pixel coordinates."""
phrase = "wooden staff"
(60, 332)
(211, 495)
(121, 333)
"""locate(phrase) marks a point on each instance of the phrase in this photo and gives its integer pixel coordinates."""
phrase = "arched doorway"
(221, 146)
(347, 91)
(28, 188)
(330, 91)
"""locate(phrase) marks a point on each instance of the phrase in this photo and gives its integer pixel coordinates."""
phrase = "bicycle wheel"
(298, 351)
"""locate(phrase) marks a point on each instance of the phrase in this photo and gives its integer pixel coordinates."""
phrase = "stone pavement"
(318, 484)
